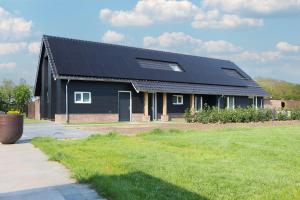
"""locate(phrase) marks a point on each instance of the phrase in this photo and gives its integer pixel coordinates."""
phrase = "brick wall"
(276, 104)
(95, 118)
(33, 110)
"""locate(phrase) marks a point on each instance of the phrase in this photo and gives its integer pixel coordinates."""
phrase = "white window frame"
(233, 102)
(81, 99)
(177, 97)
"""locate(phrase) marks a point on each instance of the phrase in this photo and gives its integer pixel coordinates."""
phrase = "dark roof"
(188, 88)
(78, 58)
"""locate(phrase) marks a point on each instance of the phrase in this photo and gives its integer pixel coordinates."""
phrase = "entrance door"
(153, 104)
(124, 106)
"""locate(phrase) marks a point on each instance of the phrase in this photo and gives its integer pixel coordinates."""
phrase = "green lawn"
(33, 121)
(241, 163)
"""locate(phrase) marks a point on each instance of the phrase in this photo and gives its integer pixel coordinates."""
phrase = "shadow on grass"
(139, 186)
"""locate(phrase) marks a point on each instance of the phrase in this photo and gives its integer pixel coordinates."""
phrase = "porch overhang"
(187, 88)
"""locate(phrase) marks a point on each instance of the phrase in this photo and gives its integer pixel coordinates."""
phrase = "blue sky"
(262, 37)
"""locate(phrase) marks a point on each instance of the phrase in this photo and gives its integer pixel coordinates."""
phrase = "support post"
(165, 116)
(146, 117)
(192, 102)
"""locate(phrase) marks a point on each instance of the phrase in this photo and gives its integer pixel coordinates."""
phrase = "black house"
(82, 81)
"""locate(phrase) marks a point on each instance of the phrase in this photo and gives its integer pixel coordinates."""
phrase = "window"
(82, 97)
(257, 102)
(177, 100)
(175, 67)
(230, 103)
(159, 65)
(198, 103)
(233, 73)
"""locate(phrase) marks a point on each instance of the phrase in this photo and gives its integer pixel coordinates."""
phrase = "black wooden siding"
(104, 97)
(48, 92)
(178, 108)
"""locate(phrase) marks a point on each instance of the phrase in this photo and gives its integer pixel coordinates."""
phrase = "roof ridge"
(132, 47)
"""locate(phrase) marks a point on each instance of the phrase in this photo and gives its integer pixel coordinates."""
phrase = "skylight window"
(175, 67)
(233, 73)
(159, 65)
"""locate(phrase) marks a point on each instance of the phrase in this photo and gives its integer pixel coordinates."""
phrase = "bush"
(295, 114)
(242, 115)
(189, 116)
(282, 115)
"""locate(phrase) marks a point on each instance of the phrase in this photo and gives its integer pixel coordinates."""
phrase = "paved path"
(51, 129)
(26, 174)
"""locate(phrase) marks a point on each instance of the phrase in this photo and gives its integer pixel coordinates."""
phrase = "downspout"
(67, 103)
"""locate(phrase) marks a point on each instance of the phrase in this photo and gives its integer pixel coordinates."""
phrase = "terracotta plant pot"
(11, 128)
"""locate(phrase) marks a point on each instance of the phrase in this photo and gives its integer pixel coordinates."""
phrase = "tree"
(7, 93)
(14, 97)
(2, 102)
(22, 96)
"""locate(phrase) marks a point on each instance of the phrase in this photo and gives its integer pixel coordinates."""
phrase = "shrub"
(282, 115)
(189, 116)
(295, 114)
(215, 115)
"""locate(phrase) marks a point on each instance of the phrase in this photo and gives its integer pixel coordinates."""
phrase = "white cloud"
(213, 19)
(15, 47)
(257, 56)
(113, 37)
(9, 48)
(183, 42)
(34, 47)
(258, 6)
(220, 46)
(12, 27)
(149, 11)
(10, 65)
(284, 46)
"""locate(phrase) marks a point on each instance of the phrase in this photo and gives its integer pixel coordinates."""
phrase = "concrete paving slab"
(26, 173)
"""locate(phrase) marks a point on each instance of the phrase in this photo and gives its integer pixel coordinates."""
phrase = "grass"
(241, 163)
(33, 121)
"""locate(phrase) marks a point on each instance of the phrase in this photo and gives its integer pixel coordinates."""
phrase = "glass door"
(154, 106)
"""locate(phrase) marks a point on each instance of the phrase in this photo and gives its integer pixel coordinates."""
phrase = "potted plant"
(11, 127)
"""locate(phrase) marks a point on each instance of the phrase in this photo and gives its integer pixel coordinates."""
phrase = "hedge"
(242, 115)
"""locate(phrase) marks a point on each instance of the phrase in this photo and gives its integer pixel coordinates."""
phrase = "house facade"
(82, 81)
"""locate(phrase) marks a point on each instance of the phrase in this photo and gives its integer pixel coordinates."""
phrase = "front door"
(124, 106)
